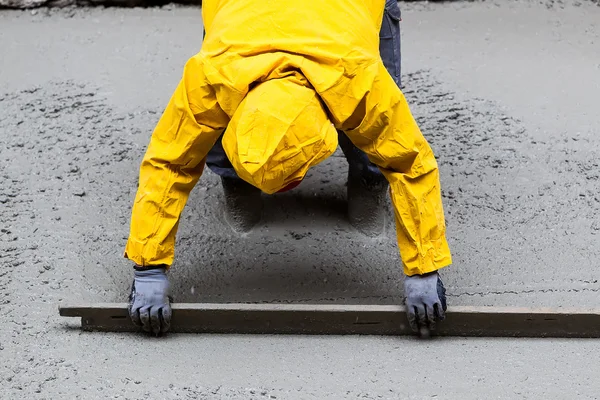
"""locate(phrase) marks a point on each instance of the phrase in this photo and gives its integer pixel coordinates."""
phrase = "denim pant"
(389, 48)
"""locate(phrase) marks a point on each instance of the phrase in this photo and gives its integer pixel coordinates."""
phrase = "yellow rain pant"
(280, 76)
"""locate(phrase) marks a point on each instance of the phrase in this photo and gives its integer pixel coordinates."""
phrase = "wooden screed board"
(320, 319)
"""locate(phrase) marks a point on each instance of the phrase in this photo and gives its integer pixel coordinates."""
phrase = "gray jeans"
(389, 48)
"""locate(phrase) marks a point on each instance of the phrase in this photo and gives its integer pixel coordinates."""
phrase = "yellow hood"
(278, 132)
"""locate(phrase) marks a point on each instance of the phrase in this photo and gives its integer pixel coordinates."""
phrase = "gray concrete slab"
(505, 91)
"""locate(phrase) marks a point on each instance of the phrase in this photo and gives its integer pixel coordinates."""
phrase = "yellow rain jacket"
(281, 76)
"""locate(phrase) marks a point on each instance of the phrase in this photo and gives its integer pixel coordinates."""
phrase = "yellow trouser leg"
(172, 165)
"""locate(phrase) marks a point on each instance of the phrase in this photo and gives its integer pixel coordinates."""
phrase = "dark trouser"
(389, 48)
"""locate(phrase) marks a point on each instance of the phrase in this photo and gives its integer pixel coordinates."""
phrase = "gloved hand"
(425, 301)
(149, 301)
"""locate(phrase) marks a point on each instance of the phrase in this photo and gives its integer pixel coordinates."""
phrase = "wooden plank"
(338, 319)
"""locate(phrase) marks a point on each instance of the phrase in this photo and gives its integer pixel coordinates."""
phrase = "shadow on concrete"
(281, 271)
(319, 211)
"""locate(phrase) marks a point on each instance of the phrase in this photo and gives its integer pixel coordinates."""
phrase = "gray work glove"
(425, 301)
(149, 301)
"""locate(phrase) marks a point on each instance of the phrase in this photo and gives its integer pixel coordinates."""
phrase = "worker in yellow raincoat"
(274, 82)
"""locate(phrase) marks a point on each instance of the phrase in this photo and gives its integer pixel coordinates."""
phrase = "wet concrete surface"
(507, 94)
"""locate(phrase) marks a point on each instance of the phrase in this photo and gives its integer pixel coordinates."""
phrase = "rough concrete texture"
(507, 94)
(30, 4)
(33, 4)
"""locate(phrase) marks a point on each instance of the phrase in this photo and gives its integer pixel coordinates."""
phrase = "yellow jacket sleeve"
(379, 122)
(172, 165)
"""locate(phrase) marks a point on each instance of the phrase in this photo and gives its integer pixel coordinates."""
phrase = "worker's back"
(320, 29)
(331, 43)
